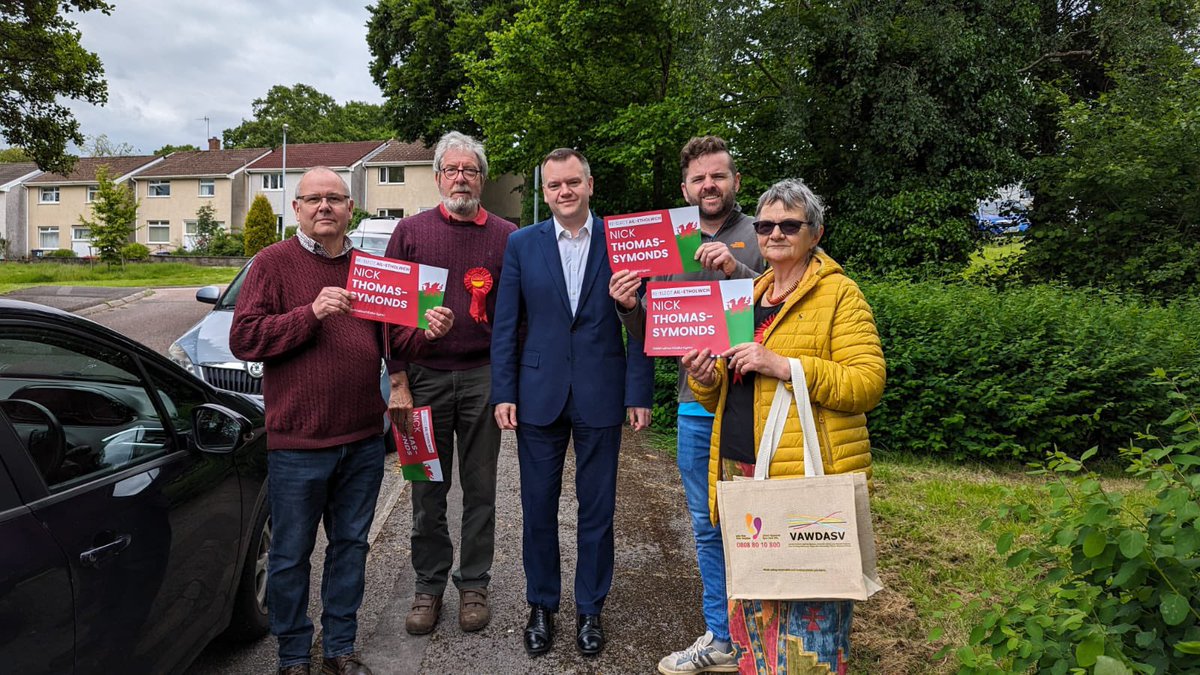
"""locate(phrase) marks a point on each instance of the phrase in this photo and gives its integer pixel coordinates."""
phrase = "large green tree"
(41, 62)
(419, 48)
(169, 148)
(114, 213)
(311, 116)
(599, 77)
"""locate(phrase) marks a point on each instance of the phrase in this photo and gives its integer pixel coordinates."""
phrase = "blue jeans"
(694, 435)
(339, 484)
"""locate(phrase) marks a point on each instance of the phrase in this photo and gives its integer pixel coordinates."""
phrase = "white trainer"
(701, 657)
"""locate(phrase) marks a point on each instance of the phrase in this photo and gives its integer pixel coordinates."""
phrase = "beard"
(461, 205)
(720, 210)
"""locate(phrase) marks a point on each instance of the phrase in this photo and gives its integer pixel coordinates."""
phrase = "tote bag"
(796, 538)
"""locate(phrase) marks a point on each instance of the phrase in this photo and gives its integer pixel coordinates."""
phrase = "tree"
(42, 61)
(311, 116)
(168, 149)
(114, 211)
(101, 146)
(208, 230)
(11, 155)
(419, 48)
(259, 231)
(585, 82)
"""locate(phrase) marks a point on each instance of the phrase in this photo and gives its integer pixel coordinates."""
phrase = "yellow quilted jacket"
(827, 324)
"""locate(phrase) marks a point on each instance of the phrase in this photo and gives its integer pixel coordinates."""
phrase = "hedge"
(980, 373)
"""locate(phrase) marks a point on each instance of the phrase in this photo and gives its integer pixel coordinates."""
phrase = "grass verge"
(15, 275)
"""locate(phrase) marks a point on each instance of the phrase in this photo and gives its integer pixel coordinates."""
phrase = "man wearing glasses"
(455, 382)
(324, 418)
(729, 251)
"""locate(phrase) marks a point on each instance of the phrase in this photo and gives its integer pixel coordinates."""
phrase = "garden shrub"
(666, 395)
(976, 372)
(60, 253)
(1121, 585)
(134, 251)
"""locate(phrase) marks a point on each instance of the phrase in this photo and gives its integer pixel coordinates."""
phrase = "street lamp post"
(283, 186)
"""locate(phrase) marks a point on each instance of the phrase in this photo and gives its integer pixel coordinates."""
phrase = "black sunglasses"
(788, 227)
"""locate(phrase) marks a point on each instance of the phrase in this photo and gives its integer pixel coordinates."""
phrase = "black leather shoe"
(590, 639)
(539, 631)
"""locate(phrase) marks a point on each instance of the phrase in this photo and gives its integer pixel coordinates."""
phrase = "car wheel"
(250, 620)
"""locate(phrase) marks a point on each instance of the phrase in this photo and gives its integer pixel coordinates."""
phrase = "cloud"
(170, 64)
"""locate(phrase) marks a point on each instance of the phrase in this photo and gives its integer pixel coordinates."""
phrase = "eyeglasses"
(334, 199)
(468, 172)
(788, 227)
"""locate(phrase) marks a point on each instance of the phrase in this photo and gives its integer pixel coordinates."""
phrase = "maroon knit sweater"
(429, 238)
(320, 378)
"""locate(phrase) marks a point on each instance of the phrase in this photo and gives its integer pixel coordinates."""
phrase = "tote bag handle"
(773, 430)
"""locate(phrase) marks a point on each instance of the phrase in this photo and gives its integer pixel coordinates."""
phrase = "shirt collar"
(480, 218)
(560, 231)
(313, 247)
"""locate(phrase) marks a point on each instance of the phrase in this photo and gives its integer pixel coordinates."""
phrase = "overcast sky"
(170, 63)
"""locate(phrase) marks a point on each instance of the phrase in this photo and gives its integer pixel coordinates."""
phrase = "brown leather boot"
(423, 616)
(346, 664)
(473, 611)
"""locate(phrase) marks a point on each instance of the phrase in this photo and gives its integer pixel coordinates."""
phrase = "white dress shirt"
(573, 252)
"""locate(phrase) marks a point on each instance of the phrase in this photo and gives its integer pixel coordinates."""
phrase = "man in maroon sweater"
(455, 382)
(324, 418)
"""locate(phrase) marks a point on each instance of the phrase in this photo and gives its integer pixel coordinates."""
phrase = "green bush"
(134, 251)
(666, 395)
(227, 244)
(1121, 590)
(60, 253)
(976, 372)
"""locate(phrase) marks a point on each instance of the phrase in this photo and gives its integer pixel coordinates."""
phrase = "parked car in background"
(1005, 216)
(133, 509)
(372, 234)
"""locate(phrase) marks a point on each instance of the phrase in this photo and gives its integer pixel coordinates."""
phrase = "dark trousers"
(458, 400)
(542, 451)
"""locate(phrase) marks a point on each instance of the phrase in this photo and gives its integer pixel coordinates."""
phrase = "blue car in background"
(1001, 218)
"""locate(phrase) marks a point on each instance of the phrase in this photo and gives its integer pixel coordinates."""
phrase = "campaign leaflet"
(686, 315)
(654, 243)
(418, 452)
(394, 291)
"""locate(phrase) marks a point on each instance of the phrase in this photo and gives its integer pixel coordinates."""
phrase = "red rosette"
(478, 281)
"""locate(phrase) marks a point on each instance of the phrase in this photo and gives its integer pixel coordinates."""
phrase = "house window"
(81, 234)
(159, 188)
(158, 231)
(49, 195)
(208, 187)
(391, 213)
(189, 228)
(272, 181)
(48, 237)
(391, 175)
(92, 190)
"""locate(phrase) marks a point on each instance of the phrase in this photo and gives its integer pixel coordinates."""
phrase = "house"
(171, 192)
(57, 203)
(266, 176)
(399, 183)
(13, 209)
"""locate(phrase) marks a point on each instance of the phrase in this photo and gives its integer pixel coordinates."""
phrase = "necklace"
(776, 299)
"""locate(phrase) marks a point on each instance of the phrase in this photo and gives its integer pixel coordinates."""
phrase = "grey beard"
(461, 206)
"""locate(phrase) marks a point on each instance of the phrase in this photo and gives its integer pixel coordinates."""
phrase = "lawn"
(16, 275)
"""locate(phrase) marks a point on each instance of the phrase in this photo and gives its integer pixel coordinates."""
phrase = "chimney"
(214, 143)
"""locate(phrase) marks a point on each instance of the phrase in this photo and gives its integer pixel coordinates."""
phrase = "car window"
(79, 407)
(229, 300)
(370, 242)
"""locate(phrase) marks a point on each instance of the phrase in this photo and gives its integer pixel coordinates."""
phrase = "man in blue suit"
(568, 376)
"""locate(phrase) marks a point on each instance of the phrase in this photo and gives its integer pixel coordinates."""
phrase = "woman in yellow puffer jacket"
(805, 308)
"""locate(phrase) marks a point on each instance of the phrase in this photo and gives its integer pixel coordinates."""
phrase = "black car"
(133, 516)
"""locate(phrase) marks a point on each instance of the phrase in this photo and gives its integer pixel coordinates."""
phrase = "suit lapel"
(549, 247)
(597, 258)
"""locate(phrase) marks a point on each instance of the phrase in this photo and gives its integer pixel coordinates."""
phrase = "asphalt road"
(653, 609)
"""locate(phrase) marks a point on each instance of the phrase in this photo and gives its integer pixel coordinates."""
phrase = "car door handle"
(92, 557)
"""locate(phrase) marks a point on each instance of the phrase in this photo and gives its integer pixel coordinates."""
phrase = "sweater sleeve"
(263, 327)
(852, 380)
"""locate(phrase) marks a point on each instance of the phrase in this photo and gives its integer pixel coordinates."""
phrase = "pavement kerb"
(382, 515)
(109, 304)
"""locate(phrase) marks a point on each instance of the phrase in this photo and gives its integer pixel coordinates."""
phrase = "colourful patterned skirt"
(792, 637)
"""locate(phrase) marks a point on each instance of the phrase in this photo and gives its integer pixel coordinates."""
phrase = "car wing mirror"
(208, 294)
(218, 429)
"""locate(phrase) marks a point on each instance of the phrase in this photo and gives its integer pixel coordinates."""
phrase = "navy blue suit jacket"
(560, 353)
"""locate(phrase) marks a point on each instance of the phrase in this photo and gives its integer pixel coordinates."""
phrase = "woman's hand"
(701, 366)
(751, 357)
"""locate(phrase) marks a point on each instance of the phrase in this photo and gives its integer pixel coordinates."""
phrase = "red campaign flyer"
(686, 315)
(654, 243)
(394, 291)
(418, 452)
